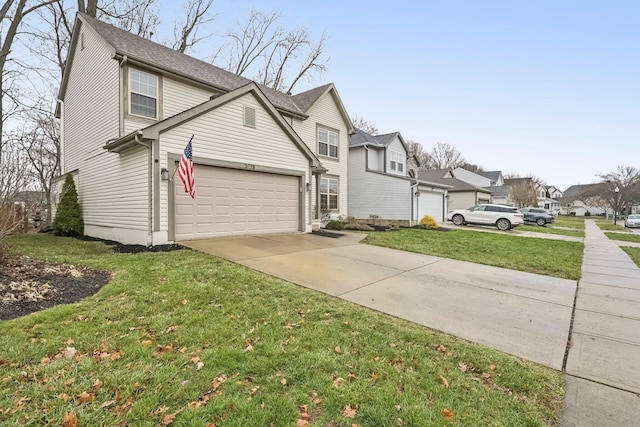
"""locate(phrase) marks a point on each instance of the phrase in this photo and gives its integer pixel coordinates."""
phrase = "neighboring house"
(265, 161)
(474, 178)
(462, 194)
(579, 199)
(554, 192)
(381, 185)
(495, 178)
(500, 195)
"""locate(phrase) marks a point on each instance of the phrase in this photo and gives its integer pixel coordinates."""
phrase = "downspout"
(413, 197)
(124, 83)
(62, 168)
(150, 189)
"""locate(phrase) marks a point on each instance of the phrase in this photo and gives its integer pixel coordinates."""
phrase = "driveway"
(523, 314)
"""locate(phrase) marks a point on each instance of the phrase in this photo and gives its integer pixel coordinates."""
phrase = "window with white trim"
(328, 193)
(327, 143)
(396, 161)
(143, 94)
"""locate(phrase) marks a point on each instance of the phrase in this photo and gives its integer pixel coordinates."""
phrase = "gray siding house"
(264, 161)
(380, 183)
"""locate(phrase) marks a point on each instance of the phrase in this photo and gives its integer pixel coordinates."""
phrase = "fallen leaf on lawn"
(302, 423)
(337, 382)
(338, 349)
(158, 411)
(64, 396)
(492, 367)
(442, 349)
(69, 352)
(398, 408)
(374, 377)
(108, 403)
(146, 342)
(97, 385)
(169, 418)
(184, 302)
(45, 361)
(316, 399)
(349, 411)
(70, 381)
(450, 415)
(69, 419)
(199, 366)
(85, 397)
(172, 329)
(283, 381)
(249, 348)
(218, 381)
(351, 375)
(394, 345)
(462, 367)
(445, 382)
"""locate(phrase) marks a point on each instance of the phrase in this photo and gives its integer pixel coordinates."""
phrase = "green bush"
(334, 225)
(429, 222)
(68, 221)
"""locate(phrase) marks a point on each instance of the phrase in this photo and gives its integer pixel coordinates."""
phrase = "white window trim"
(156, 97)
(337, 195)
(397, 162)
(328, 142)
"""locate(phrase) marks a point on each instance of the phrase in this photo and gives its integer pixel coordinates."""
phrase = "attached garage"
(236, 202)
(430, 202)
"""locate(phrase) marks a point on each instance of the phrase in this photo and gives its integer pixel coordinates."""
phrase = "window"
(328, 193)
(327, 143)
(396, 161)
(143, 94)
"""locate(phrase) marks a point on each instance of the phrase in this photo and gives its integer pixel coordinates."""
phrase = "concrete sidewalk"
(523, 314)
(603, 378)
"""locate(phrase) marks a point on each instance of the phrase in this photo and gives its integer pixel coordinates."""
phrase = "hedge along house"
(263, 159)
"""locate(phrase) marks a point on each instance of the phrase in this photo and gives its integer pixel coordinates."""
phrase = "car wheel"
(541, 222)
(503, 224)
(458, 220)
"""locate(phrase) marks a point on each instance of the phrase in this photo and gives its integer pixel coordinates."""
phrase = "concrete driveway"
(519, 313)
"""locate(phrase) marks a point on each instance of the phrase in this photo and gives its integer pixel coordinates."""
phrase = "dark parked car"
(540, 216)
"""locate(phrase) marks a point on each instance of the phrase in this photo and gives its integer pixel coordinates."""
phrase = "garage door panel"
(233, 202)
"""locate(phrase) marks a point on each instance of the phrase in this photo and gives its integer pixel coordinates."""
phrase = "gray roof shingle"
(154, 54)
(438, 176)
(361, 137)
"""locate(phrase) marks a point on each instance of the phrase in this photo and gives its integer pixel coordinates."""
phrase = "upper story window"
(396, 161)
(327, 142)
(143, 94)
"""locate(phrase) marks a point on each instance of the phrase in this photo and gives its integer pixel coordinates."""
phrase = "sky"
(544, 88)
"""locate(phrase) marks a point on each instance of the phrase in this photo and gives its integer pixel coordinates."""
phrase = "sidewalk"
(603, 378)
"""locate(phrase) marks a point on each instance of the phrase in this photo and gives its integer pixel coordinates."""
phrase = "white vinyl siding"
(178, 96)
(221, 135)
(90, 110)
(325, 113)
(375, 159)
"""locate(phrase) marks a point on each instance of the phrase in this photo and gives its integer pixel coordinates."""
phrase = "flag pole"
(176, 169)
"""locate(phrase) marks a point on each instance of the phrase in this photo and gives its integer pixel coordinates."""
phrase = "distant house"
(462, 194)
(582, 198)
(381, 185)
(495, 178)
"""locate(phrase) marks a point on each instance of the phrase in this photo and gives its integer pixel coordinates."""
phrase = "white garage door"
(430, 203)
(233, 202)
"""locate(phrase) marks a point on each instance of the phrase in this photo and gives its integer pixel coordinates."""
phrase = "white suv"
(503, 217)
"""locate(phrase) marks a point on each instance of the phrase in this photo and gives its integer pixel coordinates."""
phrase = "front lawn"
(625, 237)
(186, 339)
(549, 229)
(541, 256)
(608, 225)
(570, 221)
(634, 253)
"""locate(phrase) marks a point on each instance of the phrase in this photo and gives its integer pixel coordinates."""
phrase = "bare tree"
(261, 49)
(364, 125)
(444, 156)
(523, 193)
(627, 180)
(418, 158)
(471, 167)
(14, 178)
(186, 31)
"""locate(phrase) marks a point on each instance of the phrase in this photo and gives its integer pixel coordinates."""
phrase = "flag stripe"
(185, 170)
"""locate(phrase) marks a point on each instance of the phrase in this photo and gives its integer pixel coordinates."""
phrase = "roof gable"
(137, 50)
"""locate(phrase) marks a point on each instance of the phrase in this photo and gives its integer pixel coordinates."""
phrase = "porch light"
(164, 174)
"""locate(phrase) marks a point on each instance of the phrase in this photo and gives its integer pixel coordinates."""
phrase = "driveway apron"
(523, 314)
(603, 378)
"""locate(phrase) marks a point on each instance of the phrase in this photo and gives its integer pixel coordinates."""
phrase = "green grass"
(608, 225)
(570, 221)
(272, 354)
(624, 237)
(634, 253)
(550, 230)
(541, 256)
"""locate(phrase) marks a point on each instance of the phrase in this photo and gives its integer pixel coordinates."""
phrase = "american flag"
(185, 170)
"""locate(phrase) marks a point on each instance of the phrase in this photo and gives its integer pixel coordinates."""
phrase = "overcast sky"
(550, 88)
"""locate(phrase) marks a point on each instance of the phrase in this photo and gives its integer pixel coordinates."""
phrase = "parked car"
(632, 221)
(540, 216)
(503, 217)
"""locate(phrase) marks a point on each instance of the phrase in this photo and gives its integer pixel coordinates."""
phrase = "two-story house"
(380, 184)
(264, 161)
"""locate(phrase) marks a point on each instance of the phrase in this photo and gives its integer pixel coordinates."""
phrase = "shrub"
(334, 225)
(429, 222)
(587, 213)
(68, 221)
